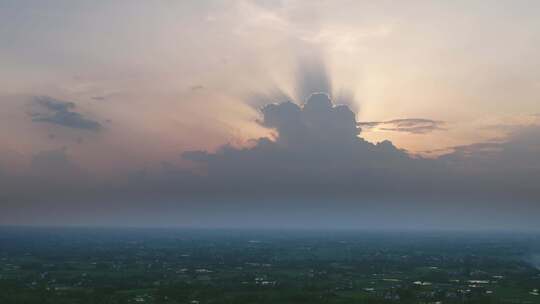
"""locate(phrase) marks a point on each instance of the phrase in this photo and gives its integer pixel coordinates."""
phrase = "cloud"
(317, 120)
(473, 150)
(316, 168)
(62, 113)
(196, 87)
(516, 154)
(409, 125)
(316, 149)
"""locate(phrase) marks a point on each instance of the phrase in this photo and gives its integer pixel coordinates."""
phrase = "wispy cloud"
(409, 125)
(63, 113)
(196, 87)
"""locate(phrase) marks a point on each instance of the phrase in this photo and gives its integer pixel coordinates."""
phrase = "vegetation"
(187, 266)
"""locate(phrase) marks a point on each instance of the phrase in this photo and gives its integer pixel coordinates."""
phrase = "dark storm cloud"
(316, 161)
(63, 113)
(409, 125)
(317, 149)
(317, 120)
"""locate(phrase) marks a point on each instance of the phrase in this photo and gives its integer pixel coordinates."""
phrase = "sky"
(270, 114)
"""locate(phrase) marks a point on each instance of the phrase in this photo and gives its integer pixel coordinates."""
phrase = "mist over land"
(113, 265)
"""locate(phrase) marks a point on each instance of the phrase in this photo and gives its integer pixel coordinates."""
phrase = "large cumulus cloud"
(318, 151)
(315, 167)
